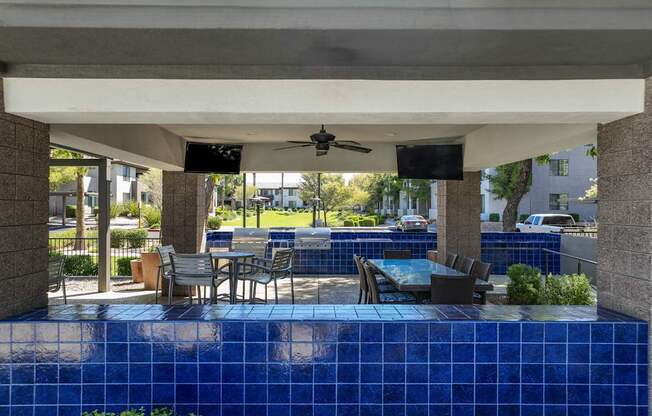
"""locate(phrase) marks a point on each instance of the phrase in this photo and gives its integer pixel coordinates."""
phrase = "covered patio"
(506, 82)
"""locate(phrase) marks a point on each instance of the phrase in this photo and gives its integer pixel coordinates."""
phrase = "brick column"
(24, 159)
(183, 220)
(458, 217)
(625, 213)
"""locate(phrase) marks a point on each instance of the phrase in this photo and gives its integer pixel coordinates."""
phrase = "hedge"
(81, 265)
(123, 265)
(527, 287)
(131, 238)
(349, 223)
(71, 211)
(367, 222)
(494, 217)
(214, 223)
(523, 217)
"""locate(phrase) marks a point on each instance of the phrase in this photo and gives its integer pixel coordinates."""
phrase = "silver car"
(412, 223)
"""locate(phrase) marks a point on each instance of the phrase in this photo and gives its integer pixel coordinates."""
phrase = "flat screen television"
(437, 161)
(212, 158)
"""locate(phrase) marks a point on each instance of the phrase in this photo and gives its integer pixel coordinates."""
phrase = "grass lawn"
(280, 219)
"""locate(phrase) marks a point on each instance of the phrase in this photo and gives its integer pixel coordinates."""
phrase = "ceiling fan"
(323, 142)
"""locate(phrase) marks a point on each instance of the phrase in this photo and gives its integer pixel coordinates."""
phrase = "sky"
(289, 177)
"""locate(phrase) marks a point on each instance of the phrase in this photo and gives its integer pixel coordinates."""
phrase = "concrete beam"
(163, 102)
(150, 146)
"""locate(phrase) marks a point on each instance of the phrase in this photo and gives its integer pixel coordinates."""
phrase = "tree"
(226, 186)
(334, 192)
(153, 185)
(61, 175)
(511, 182)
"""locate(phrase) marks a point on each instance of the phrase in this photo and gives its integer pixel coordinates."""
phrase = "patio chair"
(384, 286)
(451, 260)
(446, 290)
(163, 267)
(376, 296)
(481, 270)
(269, 271)
(252, 240)
(465, 265)
(397, 254)
(56, 278)
(193, 270)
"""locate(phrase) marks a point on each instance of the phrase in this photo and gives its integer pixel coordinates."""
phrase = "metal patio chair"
(269, 271)
(465, 266)
(482, 271)
(446, 290)
(384, 286)
(193, 270)
(451, 260)
(56, 278)
(376, 296)
(163, 267)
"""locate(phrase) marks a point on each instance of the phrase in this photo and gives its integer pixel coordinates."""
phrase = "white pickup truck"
(547, 223)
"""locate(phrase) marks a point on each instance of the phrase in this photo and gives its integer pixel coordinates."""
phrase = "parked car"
(547, 223)
(412, 223)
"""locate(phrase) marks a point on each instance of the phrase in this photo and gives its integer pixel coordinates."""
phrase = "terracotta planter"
(136, 271)
(150, 269)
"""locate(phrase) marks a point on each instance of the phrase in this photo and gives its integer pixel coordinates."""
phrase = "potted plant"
(136, 270)
(150, 263)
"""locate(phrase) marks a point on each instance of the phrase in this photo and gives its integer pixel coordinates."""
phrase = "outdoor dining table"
(234, 268)
(413, 275)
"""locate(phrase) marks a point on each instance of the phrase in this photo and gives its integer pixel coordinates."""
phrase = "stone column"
(24, 159)
(458, 217)
(625, 213)
(185, 212)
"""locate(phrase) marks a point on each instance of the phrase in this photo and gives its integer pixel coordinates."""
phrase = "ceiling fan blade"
(350, 147)
(294, 146)
(349, 142)
(299, 142)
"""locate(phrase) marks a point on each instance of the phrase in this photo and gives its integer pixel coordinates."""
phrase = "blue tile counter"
(324, 360)
(500, 249)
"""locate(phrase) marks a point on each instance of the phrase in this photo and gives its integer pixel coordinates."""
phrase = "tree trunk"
(510, 212)
(80, 227)
(223, 191)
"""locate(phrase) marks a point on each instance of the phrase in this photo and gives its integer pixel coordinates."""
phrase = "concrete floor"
(308, 289)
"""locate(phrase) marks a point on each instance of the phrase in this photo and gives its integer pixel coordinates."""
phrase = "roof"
(276, 185)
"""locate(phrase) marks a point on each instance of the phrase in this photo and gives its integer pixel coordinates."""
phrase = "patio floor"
(308, 289)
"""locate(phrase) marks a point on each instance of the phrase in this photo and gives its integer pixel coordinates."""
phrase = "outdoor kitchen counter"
(324, 360)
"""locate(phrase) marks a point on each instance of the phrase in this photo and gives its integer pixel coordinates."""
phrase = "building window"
(559, 202)
(559, 167)
(126, 197)
(126, 171)
(292, 204)
(91, 201)
(483, 199)
(290, 192)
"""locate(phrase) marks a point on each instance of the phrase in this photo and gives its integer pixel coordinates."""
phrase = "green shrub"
(151, 216)
(367, 222)
(132, 238)
(523, 217)
(575, 216)
(349, 223)
(214, 223)
(494, 217)
(114, 210)
(81, 265)
(524, 287)
(71, 211)
(569, 289)
(123, 265)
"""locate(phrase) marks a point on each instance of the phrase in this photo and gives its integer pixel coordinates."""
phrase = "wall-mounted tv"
(437, 161)
(212, 158)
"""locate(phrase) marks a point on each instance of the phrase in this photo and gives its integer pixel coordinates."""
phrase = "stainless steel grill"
(308, 238)
(253, 240)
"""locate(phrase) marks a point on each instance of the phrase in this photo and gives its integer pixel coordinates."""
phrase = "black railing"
(81, 254)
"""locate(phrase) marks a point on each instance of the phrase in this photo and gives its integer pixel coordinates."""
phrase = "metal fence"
(81, 254)
(591, 233)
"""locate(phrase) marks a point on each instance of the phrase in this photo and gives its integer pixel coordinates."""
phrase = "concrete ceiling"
(278, 133)
(415, 39)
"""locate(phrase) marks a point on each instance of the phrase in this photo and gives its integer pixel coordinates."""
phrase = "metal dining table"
(414, 275)
(234, 258)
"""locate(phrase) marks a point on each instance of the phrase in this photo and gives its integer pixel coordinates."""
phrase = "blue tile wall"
(500, 249)
(68, 359)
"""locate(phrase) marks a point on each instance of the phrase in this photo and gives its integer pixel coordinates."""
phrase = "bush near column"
(214, 223)
(527, 287)
(494, 217)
